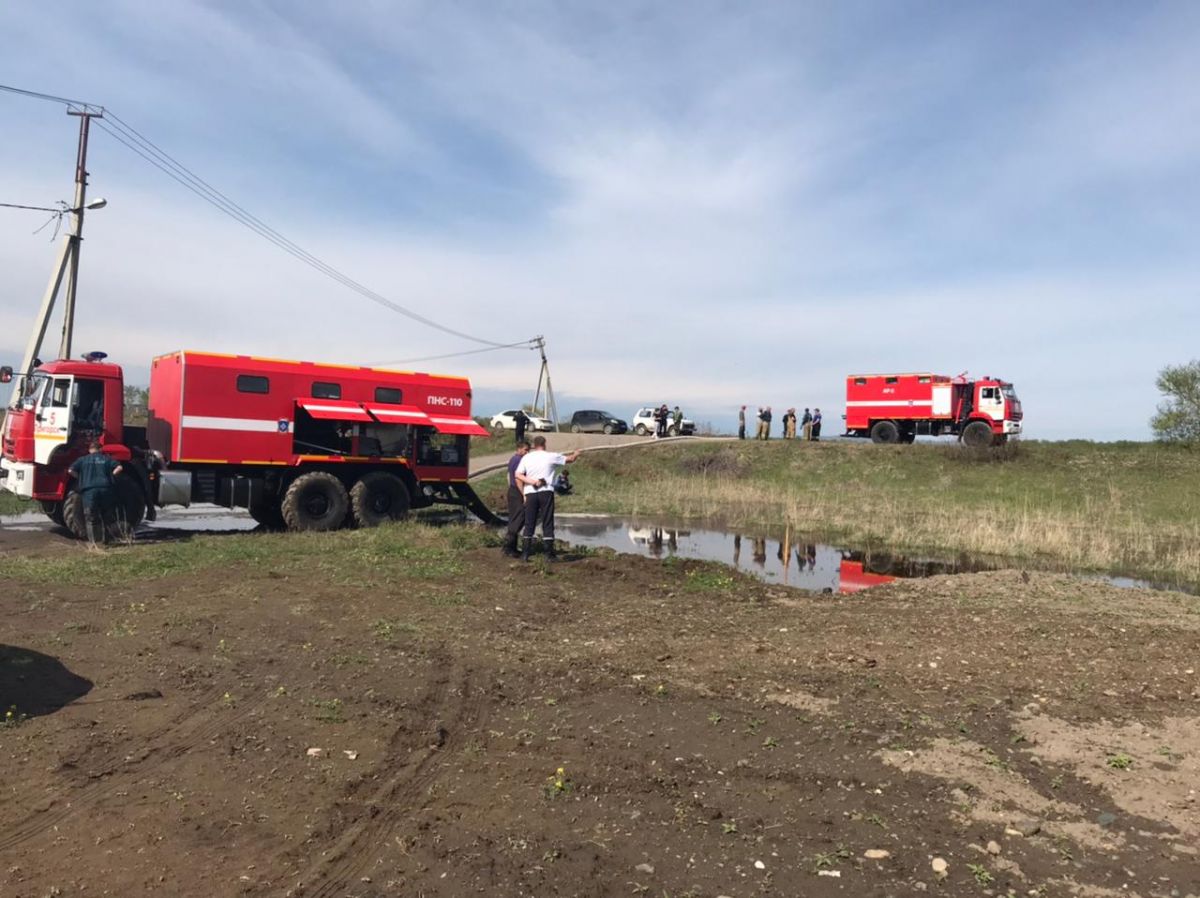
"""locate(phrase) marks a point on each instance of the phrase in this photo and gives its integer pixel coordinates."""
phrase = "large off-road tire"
(315, 501)
(672, 431)
(885, 432)
(268, 514)
(74, 518)
(575, 428)
(379, 497)
(641, 430)
(54, 511)
(977, 435)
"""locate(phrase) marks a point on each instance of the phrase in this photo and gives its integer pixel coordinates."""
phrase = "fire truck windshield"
(1009, 392)
(32, 390)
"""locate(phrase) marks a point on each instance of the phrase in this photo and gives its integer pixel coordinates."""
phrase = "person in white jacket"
(535, 475)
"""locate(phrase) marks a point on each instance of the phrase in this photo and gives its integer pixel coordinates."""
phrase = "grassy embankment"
(1129, 507)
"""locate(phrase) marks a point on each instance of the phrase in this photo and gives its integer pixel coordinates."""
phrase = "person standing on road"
(516, 502)
(96, 474)
(535, 474)
(789, 424)
(742, 423)
(816, 425)
(677, 420)
(806, 426)
(520, 422)
(766, 423)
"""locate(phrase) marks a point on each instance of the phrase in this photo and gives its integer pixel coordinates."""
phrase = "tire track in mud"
(395, 799)
(159, 747)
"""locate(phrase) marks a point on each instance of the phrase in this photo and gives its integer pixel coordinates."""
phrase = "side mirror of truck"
(6, 374)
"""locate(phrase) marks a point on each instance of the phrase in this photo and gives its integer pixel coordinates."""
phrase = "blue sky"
(709, 203)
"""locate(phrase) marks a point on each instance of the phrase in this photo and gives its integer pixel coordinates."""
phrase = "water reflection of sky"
(781, 558)
(808, 565)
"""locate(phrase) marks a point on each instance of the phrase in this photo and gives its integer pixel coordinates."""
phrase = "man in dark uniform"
(742, 423)
(816, 425)
(516, 503)
(520, 421)
(96, 475)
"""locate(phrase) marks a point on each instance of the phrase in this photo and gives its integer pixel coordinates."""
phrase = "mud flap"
(474, 504)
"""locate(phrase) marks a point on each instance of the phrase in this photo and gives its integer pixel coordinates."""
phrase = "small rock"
(352, 755)
(959, 796)
(876, 854)
(835, 873)
(993, 847)
(759, 865)
(1027, 827)
(1105, 818)
(920, 886)
(940, 867)
(1009, 831)
(315, 752)
(645, 868)
(1111, 693)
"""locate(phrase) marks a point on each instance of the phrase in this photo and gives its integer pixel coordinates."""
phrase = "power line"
(142, 146)
(524, 344)
(34, 208)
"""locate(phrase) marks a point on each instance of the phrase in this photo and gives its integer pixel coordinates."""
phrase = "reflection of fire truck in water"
(306, 446)
(862, 570)
(896, 408)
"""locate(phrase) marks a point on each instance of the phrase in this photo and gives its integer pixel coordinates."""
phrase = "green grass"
(10, 504)
(362, 557)
(1101, 506)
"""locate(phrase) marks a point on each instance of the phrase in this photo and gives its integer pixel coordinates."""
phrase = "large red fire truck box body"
(870, 397)
(207, 408)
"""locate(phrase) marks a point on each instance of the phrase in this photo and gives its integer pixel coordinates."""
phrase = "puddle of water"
(794, 561)
(197, 518)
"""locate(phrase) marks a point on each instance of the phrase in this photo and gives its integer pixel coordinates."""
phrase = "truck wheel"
(640, 430)
(268, 514)
(977, 435)
(54, 511)
(672, 432)
(885, 432)
(315, 501)
(130, 508)
(73, 516)
(908, 436)
(378, 498)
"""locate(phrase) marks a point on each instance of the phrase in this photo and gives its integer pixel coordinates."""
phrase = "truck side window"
(252, 383)
(322, 390)
(60, 395)
(390, 395)
(890, 380)
(860, 381)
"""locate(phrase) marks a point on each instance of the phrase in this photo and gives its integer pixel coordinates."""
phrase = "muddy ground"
(408, 713)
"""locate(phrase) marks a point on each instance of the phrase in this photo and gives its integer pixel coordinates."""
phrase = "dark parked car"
(593, 421)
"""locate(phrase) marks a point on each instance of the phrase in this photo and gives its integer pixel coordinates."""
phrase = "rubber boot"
(551, 552)
(510, 546)
(526, 547)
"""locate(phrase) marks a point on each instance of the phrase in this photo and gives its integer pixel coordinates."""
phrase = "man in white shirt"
(535, 475)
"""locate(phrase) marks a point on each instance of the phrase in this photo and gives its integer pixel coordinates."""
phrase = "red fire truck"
(300, 445)
(895, 408)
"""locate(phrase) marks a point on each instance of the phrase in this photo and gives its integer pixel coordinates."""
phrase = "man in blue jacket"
(96, 474)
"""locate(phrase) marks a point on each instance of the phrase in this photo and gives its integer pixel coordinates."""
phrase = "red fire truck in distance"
(896, 408)
(301, 445)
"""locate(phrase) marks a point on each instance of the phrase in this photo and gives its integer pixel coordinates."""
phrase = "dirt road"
(403, 712)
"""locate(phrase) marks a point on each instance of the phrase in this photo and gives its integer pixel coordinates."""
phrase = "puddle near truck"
(197, 518)
(785, 558)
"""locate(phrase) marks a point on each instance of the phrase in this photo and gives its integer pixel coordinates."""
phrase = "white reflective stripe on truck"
(904, 402)
(255, 425)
